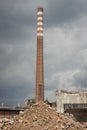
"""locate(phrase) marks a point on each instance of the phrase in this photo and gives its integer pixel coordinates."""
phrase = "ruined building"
(74, 103)
(71, 100)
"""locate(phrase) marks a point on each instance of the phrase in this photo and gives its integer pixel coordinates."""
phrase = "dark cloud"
(80, 80)
(18, 21)
(62, 12)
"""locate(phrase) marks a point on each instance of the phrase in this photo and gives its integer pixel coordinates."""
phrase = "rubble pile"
(84, 125)
(41, 117)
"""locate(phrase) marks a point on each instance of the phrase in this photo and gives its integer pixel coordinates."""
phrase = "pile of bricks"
(41, 117)
(4, 122)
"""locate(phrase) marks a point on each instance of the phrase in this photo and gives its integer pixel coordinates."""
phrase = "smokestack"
(39, 58)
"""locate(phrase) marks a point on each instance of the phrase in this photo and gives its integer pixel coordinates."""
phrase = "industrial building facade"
(71, 100)
(10, 112)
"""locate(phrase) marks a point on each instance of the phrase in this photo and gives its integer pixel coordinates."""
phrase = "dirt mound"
(42, 117)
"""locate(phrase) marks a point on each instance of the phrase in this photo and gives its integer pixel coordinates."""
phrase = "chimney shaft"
(39, 58)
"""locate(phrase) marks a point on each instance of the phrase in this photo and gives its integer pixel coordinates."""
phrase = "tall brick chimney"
(39, 58)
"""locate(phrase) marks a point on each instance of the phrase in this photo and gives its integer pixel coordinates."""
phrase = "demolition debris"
(40, 117)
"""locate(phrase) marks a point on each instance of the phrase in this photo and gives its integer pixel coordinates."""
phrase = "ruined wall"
(65, 97)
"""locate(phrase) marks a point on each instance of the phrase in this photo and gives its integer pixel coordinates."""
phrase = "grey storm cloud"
(65, 47)
(14, 21)
(80, 80)
(62, 12)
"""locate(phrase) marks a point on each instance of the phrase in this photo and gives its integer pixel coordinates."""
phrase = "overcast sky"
(65, 48)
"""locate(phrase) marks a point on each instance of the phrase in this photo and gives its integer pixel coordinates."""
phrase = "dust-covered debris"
(41, 117)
